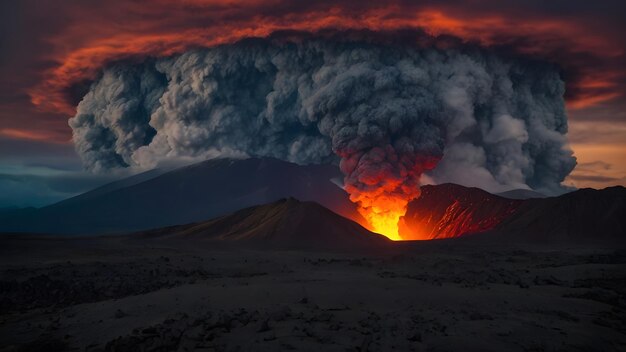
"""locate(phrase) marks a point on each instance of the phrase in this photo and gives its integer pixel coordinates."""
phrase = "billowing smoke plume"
(387, 111)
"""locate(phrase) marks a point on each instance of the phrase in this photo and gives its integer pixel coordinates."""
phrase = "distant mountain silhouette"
(521, 194)
(287, 223)
(586, 214)
(115, 185)
(192, 193)
(214, 188)
(450, 210)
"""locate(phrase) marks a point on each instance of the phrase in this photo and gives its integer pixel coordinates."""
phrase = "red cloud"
(119, 30)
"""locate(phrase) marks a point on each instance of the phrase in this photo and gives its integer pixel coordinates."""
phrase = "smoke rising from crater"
(387, 111)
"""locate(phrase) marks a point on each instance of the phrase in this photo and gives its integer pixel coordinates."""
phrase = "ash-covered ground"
(121, 294)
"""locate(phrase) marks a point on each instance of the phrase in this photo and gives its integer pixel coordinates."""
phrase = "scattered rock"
(120, 314)
(265, 326)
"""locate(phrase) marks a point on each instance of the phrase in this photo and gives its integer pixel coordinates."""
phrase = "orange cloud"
(92, 40)
(14, 133)
(596, 88)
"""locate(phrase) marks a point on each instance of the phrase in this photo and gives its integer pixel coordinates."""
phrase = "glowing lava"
(384, 217)
(382, 182)
(382, 212)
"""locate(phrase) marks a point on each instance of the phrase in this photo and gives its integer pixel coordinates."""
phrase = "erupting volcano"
(382, 212)
(268, 175)
(382, 184)
(386, 108)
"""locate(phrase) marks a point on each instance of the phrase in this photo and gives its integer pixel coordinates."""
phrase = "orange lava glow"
(383, 215)
(448, 211)
(382, 197)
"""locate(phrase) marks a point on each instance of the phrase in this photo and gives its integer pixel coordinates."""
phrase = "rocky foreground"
(121, 294)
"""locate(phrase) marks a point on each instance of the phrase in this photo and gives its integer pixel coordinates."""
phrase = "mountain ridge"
(585, 214)
(191, 193)
(287, 223)
(453, 211)
(219, 187)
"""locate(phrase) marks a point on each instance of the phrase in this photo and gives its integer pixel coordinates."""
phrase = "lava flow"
(383, 207)
(382, 183)
(383, 214)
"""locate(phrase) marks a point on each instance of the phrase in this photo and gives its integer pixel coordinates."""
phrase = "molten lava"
(382, 183)
(383, 207)
(434, 212)
(383, 215)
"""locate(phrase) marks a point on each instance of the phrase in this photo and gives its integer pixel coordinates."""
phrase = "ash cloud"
(385, 110)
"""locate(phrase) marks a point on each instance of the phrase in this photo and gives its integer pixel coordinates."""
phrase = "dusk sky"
(53, 50)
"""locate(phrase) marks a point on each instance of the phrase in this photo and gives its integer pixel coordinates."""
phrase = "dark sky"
(52, 49)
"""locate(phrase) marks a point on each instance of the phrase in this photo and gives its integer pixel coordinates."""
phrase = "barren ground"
(124, 295)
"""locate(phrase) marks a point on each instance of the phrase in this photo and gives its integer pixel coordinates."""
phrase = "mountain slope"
(192, 193)
(217, 187)
(115, 185)
(449, 210)
(286, 223)
(586, 214)
(521, 194)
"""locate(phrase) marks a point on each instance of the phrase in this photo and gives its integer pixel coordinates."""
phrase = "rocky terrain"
(140, 294)
(450, 210)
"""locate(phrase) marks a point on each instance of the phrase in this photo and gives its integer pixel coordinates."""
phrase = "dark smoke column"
(386, 111)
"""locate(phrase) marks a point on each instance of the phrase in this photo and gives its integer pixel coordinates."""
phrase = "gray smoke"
(387, 112)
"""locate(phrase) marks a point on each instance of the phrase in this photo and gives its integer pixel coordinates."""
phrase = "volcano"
(287, 223)
(449, 210)
(188, 194)
(215, 188)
